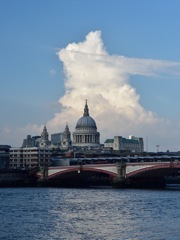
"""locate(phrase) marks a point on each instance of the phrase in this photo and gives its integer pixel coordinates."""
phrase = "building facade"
(21, 158)
(30, 141)
(132, 144)
(85, 134)
(37, 141)
(4, 156)
(62, 140)
(56, 139)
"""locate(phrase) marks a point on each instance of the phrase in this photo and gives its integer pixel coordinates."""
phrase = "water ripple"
(82, 214)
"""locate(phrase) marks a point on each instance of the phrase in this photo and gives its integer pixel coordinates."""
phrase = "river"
(82, 214)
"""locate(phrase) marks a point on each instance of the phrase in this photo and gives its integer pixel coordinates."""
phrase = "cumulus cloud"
(91, 73)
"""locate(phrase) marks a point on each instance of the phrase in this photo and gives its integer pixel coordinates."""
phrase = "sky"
(120, 55)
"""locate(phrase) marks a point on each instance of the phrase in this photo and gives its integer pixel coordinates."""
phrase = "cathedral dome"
(85, 134)
(86, 121)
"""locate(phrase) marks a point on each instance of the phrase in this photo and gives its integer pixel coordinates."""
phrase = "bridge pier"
(43, 180)
(120, 180)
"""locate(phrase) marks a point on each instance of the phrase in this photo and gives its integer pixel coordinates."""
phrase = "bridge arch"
(80, 170)
(164, 169)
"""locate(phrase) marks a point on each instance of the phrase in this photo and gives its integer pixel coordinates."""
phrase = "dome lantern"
(86, 110)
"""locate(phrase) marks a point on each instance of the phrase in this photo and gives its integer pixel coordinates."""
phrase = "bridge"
(119, 173)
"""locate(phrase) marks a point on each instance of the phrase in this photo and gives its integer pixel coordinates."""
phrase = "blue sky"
(32, 74)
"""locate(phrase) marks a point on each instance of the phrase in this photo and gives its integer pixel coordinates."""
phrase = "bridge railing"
(108, 160)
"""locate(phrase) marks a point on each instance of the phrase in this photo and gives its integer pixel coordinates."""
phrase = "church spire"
(44, 141)
(86, 110)
(44, 134)
(66, 128)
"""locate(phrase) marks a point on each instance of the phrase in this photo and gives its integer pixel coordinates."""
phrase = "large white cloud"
(91, 73)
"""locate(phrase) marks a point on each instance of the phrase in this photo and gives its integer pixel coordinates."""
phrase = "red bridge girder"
(164, 168)
(80, 169)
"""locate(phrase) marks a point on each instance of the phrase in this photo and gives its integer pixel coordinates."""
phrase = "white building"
(29, 157)
(85, 134)
(132, 144)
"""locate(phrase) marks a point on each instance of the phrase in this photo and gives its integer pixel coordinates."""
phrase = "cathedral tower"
(85, 134)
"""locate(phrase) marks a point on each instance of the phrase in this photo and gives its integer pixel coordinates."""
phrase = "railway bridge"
(120, 174)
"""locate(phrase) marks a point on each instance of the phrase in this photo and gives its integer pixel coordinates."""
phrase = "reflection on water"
(173, 186)
(54, 213)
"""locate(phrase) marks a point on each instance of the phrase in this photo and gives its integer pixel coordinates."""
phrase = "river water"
(100, 214)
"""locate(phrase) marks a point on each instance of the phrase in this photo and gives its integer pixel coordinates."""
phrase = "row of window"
(30, 160)
(26, 166)
(29, 155)
(33, 150)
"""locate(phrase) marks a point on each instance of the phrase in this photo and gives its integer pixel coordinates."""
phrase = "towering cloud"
(91, 73)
